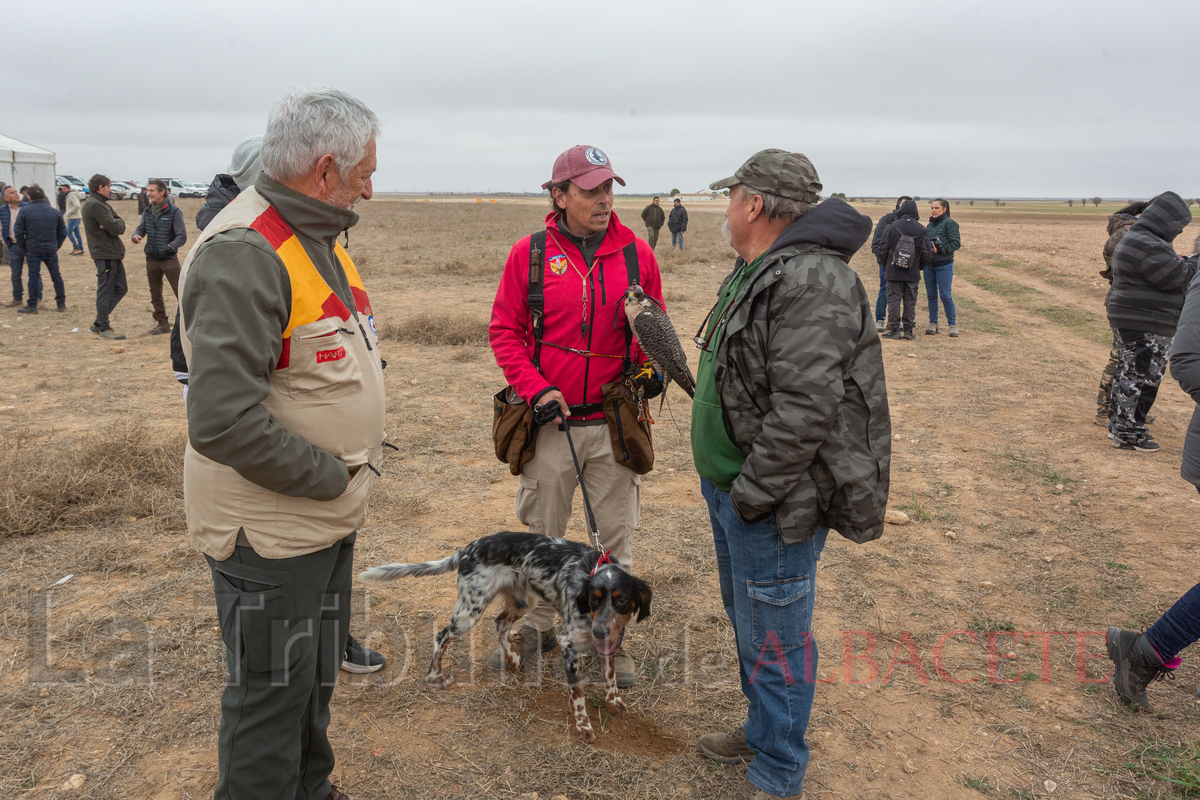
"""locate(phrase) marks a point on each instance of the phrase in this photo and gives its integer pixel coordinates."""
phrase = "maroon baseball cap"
(586, 166)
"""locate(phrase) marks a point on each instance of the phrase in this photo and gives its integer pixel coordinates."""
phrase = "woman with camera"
(939, 274)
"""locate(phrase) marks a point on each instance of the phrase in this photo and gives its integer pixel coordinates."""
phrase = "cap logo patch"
(595, 156)
(558, 264)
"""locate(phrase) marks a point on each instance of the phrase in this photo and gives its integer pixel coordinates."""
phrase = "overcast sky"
(973, 99)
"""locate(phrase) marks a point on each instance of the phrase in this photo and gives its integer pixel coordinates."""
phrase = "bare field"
(961, 655)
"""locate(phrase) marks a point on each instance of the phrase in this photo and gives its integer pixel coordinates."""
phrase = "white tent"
(23, 164)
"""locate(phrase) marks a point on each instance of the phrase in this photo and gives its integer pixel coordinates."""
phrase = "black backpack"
(904, 252)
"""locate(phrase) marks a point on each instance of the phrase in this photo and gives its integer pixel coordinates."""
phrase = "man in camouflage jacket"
(791, 437)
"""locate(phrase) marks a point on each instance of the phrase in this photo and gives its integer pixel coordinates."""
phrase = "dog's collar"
(604, 559)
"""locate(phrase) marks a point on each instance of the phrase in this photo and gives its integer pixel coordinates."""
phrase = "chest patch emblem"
(331, 355)
(558, 264)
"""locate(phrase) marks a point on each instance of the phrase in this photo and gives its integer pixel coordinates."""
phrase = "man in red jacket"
(583, 347)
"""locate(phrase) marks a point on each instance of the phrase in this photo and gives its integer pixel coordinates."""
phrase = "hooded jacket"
(578, 377)
(905, 224)
(800, 375)
(1118, 225)
(221, 192)
(1149, 277)
(881, 228)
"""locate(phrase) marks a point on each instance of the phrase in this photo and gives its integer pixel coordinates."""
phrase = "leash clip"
(604, 559)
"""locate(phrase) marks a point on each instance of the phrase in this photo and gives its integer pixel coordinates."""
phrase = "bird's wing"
(658, 338)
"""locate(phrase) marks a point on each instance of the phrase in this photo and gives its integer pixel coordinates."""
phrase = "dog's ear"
(641, 598)
(582, 602)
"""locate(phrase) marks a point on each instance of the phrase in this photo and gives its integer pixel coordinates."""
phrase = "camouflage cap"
(777, 172)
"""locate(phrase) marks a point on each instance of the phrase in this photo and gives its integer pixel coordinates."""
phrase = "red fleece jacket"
(578, 377)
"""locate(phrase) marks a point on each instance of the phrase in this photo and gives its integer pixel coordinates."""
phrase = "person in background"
(164, 230)
(677, 223)
(104, 227)
(244, 167)
(654, 217)
(9, 213)
(905, 250)
(74, 216)
(881, 300)
(1140, 658)
(1149, 283)
(143, 198)
(939, 274)
(61, 199)
(24, 195)
(1118, 224)
(40, 231)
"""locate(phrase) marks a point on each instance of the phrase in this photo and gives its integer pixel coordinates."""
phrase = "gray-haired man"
(285, 420)
(791, 437)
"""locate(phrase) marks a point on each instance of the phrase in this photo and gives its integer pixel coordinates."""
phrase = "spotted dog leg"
(504, 625)
(616, 706)
(467, 611)
(583, 726)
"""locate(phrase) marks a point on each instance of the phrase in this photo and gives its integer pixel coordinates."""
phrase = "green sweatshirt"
(716, 454)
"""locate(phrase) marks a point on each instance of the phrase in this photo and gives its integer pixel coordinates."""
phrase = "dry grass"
(437, 329)
(128, 469)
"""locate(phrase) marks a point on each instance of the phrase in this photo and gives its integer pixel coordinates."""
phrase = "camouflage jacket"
(800, 374)
(1118, 224)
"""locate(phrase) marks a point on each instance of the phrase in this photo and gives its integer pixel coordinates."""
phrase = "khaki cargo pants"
(548, 485)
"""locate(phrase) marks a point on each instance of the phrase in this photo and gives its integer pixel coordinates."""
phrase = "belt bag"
(628, 426)
(513, 431)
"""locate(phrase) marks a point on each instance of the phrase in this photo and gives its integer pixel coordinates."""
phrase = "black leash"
(543, 414)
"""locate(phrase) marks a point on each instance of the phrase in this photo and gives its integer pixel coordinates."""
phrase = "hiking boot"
(1101, 417)
(61, 308)
(726, 748)
(160, 329)
(337, 794)
(27, 310)
(109, 333)
(1145, 444)
(880, 325)
(94, 328)
(748, 791)
(953, 331)
(896, 334)
(360, 660)
(526, 641)
(908, 334)
(626, 670)
(15, 302)
(1137, 663)
(932, 329)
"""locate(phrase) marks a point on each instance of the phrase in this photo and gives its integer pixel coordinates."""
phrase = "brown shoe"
(748, 791)
(16, 302)
(624, 667)
(337, 794)
(526, 641)
(160, 330)
(726, 748)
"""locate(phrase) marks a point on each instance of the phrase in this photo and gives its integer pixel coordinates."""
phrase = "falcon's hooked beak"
(635, 293)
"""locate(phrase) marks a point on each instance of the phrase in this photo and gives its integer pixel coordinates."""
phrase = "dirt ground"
(961, 654)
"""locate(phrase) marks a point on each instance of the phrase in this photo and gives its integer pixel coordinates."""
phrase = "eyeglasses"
(701, 341)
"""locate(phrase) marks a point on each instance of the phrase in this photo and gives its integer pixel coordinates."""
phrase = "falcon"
(658, 339)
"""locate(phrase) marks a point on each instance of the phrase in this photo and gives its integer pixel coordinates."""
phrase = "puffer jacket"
(1185, 368)
(805, 399)
(677, 222)
(905, 224)
(1149, 277)
(40, 229)
(1118, 224)
(221, 192)
(164, 229)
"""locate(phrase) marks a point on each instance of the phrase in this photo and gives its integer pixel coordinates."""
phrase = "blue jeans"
(35, 278)
(1177, 628)
(16, 258)
(677, 235)
(938, 281)
(73, 234)
(881, 300)
(768, 590)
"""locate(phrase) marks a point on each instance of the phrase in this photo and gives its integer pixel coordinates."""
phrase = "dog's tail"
(390, 572)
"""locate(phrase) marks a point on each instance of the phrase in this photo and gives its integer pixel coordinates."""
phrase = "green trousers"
(652, 237)
(284, 622)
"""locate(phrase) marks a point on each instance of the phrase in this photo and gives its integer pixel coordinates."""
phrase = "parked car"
(201, 189)
(182, 188)
(70, 180)
(123, 191)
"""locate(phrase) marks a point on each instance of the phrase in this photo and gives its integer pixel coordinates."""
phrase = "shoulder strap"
(537, 296)
(633, 274)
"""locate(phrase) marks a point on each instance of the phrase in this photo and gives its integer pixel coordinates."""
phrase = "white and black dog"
(595, 597)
